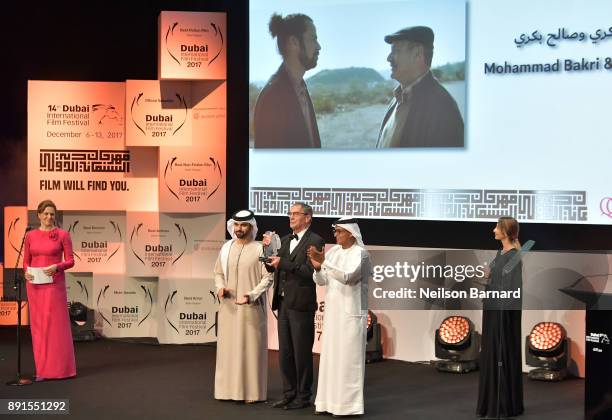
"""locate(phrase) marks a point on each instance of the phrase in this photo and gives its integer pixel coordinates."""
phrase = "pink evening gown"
(49, 319)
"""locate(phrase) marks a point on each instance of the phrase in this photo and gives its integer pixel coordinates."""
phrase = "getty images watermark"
(424, 272)
(458, 279)
(439, 279)
(412, 272)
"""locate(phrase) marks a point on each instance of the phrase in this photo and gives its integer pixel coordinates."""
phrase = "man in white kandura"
(241, 281)
(345, 270)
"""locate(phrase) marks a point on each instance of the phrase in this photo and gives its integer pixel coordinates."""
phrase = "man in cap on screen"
(422, 113)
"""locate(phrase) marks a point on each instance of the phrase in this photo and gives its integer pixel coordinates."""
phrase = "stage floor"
(121, 380)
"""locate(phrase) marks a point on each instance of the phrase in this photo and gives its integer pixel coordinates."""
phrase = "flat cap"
(421, 34)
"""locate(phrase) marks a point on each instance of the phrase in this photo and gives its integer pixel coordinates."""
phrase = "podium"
(596, 293)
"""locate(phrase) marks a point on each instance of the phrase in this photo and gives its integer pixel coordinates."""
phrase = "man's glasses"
(295, 213)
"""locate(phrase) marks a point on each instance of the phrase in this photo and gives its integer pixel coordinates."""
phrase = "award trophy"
(272, 249)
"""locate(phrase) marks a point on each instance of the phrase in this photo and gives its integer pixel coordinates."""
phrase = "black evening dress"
(507, 322)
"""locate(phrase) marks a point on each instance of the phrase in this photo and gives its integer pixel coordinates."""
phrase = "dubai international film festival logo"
(159, 124)
(605, 205)
(145, 244)
(96, 243)
(8, 309)
(106, 115)
(15, 232)
(194, 53)
(83, 292)
(217, 301)
(191, 321)
(96, 116)
(170, 302)
(125, 315)
(192, 181)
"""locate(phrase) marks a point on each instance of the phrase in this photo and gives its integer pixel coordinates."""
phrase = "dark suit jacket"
(278, 120)
(300, 290)
(434, 119)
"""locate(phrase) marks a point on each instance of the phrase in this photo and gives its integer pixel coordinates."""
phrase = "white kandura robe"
(242, 343)
(345, 272)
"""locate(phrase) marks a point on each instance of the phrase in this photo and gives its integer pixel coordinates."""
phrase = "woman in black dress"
(501, 330)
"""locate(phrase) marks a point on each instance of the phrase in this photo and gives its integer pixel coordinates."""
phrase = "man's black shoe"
(296, 405)
(281, 403)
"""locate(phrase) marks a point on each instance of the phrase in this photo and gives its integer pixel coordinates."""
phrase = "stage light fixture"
(373, 345)
(81, 322)
(457, 345)
(546, 349)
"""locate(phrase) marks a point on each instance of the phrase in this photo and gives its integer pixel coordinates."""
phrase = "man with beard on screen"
(284, 116)
(422, 112)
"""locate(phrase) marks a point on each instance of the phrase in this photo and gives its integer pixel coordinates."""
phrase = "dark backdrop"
(117, 40)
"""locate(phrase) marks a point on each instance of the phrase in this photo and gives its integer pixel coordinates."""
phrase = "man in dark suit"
(422, 113)
(295, 298)
(284, 116)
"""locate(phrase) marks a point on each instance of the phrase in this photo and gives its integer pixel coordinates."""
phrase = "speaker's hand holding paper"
(39, 275)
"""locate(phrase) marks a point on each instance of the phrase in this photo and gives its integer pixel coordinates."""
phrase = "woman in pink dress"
(49, 319)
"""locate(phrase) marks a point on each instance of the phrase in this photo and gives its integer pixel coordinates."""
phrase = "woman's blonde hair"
(510, 226)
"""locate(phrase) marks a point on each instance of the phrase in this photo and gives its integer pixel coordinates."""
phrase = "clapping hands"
(316, 257)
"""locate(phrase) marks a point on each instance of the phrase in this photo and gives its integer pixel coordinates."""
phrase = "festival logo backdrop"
(319, 318)
(79, 288)
(209, 113)
(158, 113)
(76, 148)
(208, 237)
(98, 241)
(8, 309)
(15, 223)
(318, 321)
(125, 306)
(188, 310)
(192, 45)
(158, 244)
(192, 179)
(8, 313)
